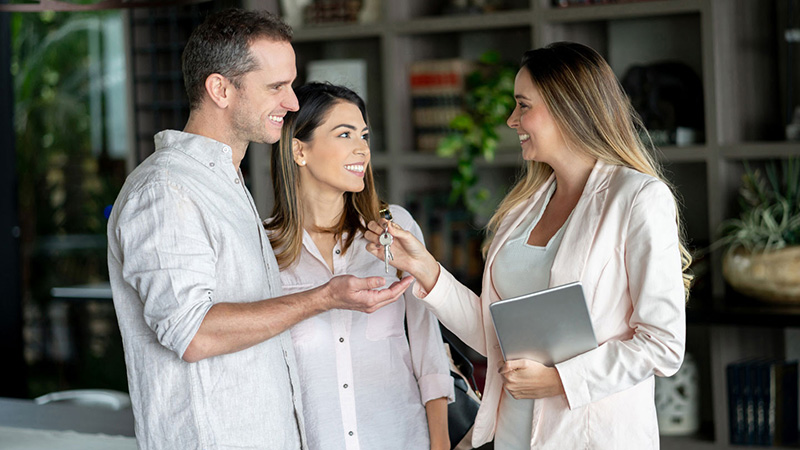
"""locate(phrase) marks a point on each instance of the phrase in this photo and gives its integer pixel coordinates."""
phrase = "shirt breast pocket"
(387, 322)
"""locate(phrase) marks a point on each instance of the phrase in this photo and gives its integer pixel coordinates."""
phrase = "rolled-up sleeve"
(169, 260)
(653, 265)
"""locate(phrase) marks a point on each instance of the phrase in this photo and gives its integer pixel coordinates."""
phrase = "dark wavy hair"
(286, 225)
(221, 44)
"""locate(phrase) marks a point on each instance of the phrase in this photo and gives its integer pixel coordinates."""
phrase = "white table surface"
(32, 439)
(24, 425)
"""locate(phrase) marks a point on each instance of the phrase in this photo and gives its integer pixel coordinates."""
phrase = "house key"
(386, 239)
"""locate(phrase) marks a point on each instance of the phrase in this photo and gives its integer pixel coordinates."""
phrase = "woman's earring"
(303, 162)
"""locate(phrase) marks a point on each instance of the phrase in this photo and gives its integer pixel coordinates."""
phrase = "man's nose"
(291, 103)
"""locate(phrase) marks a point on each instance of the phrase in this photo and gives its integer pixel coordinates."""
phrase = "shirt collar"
(201, 148)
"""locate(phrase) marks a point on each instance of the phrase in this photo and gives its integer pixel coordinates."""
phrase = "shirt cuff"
(436, 385)
(575, 386)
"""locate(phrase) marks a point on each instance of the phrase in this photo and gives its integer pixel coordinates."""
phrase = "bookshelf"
(734, 46)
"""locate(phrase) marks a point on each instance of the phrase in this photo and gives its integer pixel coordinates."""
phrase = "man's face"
(266, 94)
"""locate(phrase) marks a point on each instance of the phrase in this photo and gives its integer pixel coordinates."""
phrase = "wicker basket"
(771, 276)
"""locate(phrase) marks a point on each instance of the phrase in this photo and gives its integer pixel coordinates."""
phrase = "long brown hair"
(595, 116)
(286, 225)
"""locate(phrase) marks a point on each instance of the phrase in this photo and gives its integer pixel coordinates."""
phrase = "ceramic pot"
(771, 276)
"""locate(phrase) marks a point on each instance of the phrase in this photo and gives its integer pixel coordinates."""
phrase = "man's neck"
(214, 128)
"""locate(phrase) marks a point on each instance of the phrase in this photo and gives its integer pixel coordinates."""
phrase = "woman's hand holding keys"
(410, 255)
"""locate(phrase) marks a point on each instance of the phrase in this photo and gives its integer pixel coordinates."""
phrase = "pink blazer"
(622, 244)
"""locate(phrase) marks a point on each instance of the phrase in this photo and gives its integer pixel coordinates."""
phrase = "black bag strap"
(462, 362)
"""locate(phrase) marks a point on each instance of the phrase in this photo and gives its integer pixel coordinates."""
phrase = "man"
(195, 282)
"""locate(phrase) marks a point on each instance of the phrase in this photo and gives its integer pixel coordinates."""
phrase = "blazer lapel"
(573, 252)
(509, 224)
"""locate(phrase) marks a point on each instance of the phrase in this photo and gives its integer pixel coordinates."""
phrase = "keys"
(386, 241)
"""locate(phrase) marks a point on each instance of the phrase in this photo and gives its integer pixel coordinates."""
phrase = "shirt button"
(345, 386)
(338, 251)
(225, 149)
(236, 181)
(211, 164)
(341, 339)
(350, 433)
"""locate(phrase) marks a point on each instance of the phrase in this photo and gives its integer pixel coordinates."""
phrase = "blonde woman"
(590, 207)
(365, 385)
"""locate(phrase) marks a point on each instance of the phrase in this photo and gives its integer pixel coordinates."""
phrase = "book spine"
(437, 95)
(735, 404)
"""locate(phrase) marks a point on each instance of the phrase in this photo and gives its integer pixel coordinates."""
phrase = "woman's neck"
(571, 176)
(321, 211)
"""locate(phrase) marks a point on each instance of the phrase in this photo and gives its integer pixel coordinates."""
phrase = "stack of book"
(332, 11)
(437, 95)
(762, 400)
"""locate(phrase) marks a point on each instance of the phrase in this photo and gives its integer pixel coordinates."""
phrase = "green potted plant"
(488, 102)
(762, 257)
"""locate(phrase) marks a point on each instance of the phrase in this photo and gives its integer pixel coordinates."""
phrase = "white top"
(521, 268)
(184, 234)
(364, 383)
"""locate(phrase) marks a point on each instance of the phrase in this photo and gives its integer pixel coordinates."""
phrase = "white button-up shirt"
(184, 234)
(364, 383)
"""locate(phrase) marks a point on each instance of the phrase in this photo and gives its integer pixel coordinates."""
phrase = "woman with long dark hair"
(365, 384)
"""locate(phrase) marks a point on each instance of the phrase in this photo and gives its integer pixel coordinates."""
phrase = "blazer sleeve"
(428, 357)
(654, 275)
(457, 307)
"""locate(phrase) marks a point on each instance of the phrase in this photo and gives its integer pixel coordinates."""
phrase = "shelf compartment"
(663, 48)
(367, 49)
(628, 10)
(468, 46)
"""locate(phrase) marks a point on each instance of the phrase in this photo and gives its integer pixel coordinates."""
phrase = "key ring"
(386, 214)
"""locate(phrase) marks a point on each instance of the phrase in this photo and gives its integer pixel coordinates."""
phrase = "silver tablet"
(548, 326)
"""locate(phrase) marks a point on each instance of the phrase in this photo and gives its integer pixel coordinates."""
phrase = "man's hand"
(360, 294)
(523, 378)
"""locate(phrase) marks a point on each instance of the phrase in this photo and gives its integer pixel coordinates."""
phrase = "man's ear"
(219, 90)
(298, 152)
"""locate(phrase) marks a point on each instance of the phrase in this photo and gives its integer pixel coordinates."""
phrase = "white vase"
(678, 400)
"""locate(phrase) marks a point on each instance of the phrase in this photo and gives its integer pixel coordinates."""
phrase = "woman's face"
(336, 158)
(539, 136)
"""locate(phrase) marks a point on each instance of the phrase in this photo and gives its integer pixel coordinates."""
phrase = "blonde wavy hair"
(594, 115)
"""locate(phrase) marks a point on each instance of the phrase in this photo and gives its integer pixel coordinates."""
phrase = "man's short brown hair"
(221, 44)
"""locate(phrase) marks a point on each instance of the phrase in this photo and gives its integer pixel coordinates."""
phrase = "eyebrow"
(280, 83)
(518, 96)
(349, 127)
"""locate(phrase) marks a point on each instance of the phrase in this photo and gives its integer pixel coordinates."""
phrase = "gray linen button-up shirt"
(183, 234)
